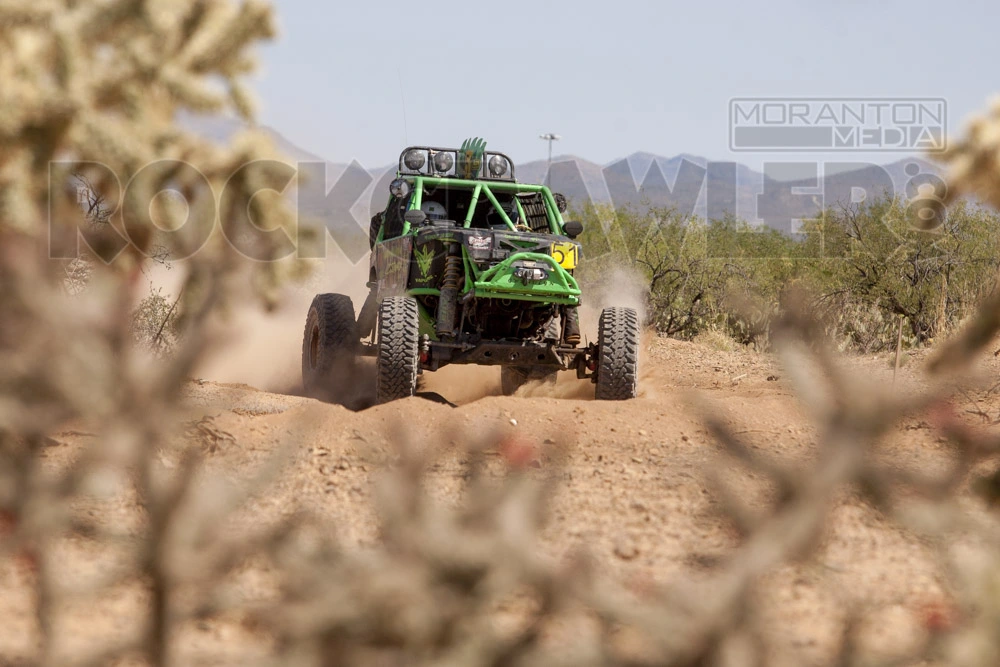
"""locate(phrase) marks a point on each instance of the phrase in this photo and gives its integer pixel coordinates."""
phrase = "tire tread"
(618, 364)
(333, 314)
(398, 349)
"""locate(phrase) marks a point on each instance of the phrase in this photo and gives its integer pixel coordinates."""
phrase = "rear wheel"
(329, 347)
(513, 378)
(398, 349)
(618, 354)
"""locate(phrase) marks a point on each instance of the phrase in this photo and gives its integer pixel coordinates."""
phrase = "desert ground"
(635, 488)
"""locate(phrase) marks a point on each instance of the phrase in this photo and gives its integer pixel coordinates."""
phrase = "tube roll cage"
(480, 188)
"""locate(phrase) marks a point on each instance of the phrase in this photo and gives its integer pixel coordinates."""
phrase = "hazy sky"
(610, 77)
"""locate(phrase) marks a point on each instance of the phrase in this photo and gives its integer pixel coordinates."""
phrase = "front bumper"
(508, 280)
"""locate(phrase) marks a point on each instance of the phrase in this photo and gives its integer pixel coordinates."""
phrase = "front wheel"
(398, 349)
(618, 354)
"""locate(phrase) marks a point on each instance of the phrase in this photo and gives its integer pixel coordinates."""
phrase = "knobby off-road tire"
(398, 349)
(329, 348)
(618, 356)
(513, 378)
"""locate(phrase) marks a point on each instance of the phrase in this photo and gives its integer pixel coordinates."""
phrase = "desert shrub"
(865, 265)
(716, 340)
(883, 265)
(696, 273)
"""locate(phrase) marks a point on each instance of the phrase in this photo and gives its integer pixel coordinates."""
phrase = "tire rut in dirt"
(398, 349)
(618, 364)
(329, 348)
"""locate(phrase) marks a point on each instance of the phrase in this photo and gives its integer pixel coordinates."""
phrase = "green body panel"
(426, 322)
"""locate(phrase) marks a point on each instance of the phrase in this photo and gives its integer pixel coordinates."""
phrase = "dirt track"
(634, 490)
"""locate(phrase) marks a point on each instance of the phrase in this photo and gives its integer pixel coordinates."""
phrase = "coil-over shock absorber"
(448, 303)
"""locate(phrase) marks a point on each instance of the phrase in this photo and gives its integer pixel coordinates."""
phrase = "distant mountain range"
(690, 183)
(695, 186)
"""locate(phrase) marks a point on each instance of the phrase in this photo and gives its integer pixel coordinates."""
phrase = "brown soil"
(635, 489)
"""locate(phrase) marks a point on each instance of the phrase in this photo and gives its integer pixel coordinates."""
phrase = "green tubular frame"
(499, 209)
(472, 205)
(481, 187)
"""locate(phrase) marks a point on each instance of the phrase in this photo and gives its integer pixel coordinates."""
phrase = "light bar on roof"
(442, 162)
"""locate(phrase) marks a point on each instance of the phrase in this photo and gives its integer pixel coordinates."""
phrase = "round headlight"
(498, 166)
(399, 188)
(443, 162)
(414, 160)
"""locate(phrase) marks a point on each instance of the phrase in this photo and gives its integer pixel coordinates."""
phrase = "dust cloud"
(566, 386)
(462, 383)
(621, 286)
(264, 349)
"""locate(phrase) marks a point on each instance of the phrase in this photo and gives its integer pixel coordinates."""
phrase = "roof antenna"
(406, 132)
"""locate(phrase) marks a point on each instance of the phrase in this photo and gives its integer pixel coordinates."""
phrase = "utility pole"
(549, 138)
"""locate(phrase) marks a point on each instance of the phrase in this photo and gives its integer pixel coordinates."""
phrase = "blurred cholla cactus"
(91, 92)
(974, 160)
(88, 141)
(78, 272)
(92, 89)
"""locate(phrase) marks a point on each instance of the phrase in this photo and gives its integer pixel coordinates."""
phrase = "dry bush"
(866, 264)
(716, 340)
(155, 323)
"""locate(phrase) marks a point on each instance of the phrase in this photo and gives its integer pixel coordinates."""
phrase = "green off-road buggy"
(468, 266)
